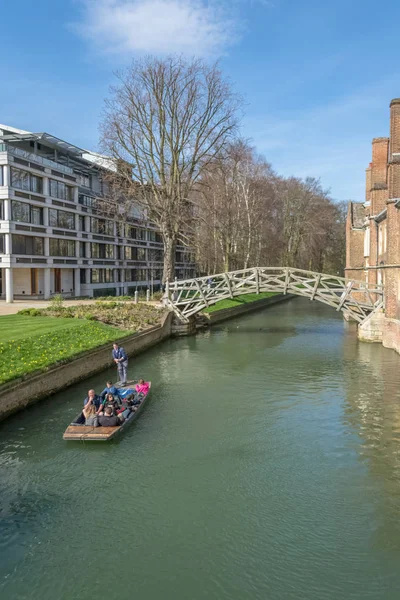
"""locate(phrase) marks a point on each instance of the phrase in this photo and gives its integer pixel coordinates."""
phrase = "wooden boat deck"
(103, 434)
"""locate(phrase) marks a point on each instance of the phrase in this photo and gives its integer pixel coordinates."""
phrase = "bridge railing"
(355, 298)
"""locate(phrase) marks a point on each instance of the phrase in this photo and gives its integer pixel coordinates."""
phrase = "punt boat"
(103, 434)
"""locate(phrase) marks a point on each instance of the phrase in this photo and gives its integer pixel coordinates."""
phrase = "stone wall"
(372, 329)
(230, 313)
(391, 334)
(18, 394)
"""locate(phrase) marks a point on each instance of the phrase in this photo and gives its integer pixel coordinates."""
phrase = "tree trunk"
(169, 258)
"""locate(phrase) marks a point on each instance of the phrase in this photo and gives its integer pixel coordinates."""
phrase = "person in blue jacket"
(121, 360)
(110, 389)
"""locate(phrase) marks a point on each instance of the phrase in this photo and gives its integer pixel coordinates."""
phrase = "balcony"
(35, 158)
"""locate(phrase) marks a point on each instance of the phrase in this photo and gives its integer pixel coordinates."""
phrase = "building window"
(102, 250)
(83, 180)
(1, 175)
(87, 200)
(23, 244)
(102, 276)
(2, 246)
(82, 253)
(81, 223)
(25, 213)
(135, 233)
(102, 226)
(154, 236)
(60, 247)
(58, 189)
(61, 218)
(141, 253)
(22, 180)
(82, 275)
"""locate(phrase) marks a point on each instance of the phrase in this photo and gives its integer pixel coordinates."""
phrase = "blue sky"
(317, 76)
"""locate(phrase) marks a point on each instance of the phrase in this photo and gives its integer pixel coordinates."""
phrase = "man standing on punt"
(121, 360)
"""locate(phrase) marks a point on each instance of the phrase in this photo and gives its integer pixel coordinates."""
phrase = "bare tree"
(164, 123)
(234, 209)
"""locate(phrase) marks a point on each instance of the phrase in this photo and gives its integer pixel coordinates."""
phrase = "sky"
(317, 77)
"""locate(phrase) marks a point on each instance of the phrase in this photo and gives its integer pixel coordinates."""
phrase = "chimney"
(395, 126)
(368, 175)
(380, 148)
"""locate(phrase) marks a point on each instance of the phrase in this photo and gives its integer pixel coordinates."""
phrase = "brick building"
(373, 226)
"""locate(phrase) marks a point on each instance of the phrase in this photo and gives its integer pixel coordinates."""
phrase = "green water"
(265, 466)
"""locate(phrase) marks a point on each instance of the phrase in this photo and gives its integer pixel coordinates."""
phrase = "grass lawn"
(34, 343)
(238, 301)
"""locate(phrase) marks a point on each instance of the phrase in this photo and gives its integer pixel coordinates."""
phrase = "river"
(264, 467)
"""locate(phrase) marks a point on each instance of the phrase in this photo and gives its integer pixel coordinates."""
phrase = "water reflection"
(372, 376)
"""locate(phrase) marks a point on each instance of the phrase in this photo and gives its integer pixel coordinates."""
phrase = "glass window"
(20, 212)
(36, 215)
(81, 223)
(60, 247)
(94, 275)
(95, 253)
(23, 180)
(2, 244)
(58, 189)
(23, 244)
(141, 253)
(83, 180)
(82, 249)
(61, 218)
(83, 275)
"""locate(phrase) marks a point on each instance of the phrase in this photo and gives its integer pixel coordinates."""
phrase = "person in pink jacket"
(142, 387)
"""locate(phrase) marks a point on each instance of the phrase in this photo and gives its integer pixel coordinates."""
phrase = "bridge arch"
(356, 299)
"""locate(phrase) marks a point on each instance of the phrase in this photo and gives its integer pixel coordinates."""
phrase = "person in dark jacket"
(108, 419)
(109, 401)
(95, 398)
(121, 360)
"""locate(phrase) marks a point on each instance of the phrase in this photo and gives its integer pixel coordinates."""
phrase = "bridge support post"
(180, 328)
(372, 328)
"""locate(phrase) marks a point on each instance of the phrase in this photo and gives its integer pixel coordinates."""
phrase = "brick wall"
(380, 149)
(395, 125)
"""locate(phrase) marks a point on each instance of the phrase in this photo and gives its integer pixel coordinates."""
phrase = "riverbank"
(59, 351)
(20, 393)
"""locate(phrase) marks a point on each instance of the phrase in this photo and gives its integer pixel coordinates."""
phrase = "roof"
(357, 215)
(12, 134)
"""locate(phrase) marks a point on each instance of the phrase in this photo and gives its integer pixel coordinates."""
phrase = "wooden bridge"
(356, 299)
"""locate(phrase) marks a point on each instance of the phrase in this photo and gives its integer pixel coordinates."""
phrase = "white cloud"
(194, 27)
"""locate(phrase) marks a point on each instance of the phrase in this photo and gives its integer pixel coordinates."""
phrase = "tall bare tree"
(164, 123)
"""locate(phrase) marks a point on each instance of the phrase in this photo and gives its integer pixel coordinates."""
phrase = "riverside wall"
(20, 393)
(230, 313)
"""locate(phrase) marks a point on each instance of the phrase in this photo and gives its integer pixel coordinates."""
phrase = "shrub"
(31, 312)
(57, 303)
(158, 295)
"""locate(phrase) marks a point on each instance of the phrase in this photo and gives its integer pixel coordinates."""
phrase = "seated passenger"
(142, 387)
(110, 389)
(108, 419)
(94, 398)
(90, 414)
(109, 402)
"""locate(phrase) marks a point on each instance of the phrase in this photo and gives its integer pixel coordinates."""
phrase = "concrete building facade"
(373, 226)
(54, 236)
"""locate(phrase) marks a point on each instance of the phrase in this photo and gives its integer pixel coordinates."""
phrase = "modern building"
(373, 226)
(55, 237)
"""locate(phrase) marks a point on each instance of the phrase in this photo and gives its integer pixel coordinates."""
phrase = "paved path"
(17, 305)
